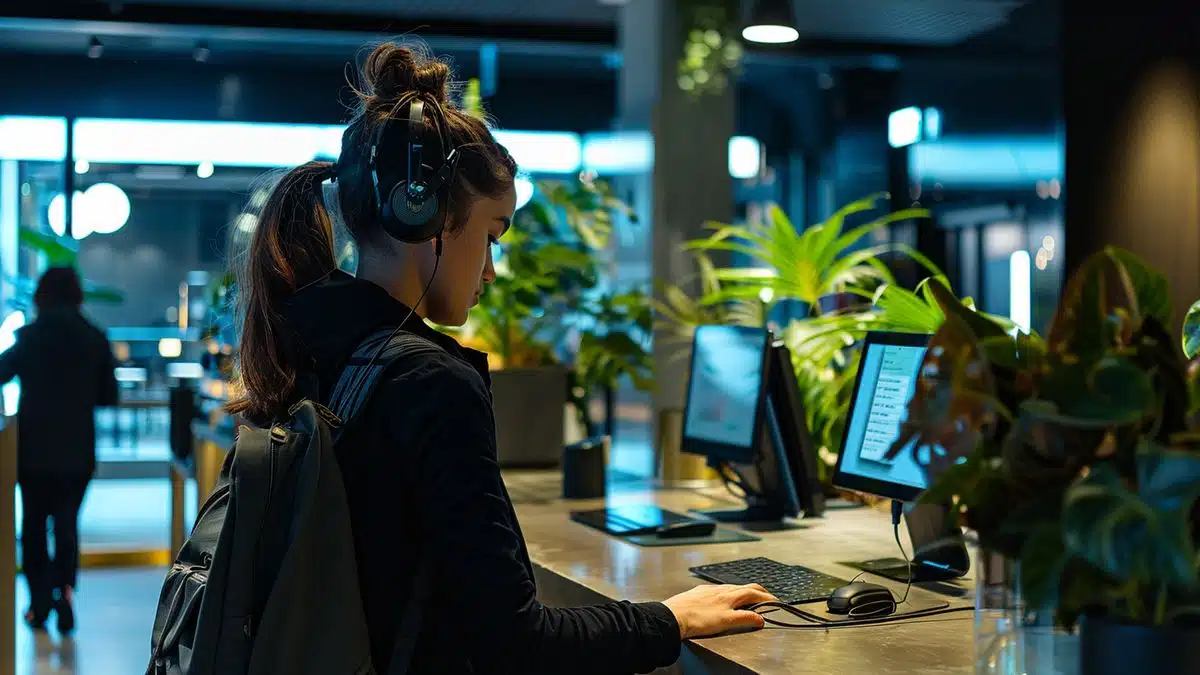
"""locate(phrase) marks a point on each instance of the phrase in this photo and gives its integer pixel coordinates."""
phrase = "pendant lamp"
(771, 22)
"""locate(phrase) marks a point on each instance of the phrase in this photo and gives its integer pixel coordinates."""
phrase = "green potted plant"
(1074, 458)
(831, 270)
(612, 347)
(549, 292)
(677, 314)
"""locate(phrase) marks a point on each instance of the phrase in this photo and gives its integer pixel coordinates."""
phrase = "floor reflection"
(53, 654)
(114, 613)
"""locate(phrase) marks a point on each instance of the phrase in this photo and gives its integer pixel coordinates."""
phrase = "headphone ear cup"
(412, 225)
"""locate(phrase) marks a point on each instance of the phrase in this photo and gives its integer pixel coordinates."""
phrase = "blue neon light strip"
(632, 152)
(245, 144)
(986, 161)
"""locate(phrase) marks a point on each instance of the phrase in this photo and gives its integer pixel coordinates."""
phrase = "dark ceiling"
(572, 32)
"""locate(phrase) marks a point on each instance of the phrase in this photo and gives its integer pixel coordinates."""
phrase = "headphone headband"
(416, 144)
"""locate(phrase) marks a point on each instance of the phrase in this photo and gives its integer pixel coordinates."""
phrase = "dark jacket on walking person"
(65, 366)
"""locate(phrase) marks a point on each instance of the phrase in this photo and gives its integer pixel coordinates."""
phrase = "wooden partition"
(8, 545)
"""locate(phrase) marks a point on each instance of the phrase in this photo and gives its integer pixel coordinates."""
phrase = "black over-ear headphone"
(407, 209)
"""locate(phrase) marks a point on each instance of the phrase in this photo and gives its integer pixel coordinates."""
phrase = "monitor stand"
(765, 509)
(758, 510)
(940, 554)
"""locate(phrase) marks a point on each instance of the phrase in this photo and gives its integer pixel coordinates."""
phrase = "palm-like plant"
(810, 266)
(678, 313)
(806, 264)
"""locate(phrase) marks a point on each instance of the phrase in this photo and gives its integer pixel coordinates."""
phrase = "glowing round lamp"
(104, 208)
(771, 22)
(107, 208)
(56, 214)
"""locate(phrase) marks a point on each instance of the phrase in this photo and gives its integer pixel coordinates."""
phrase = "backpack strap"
(350, 396)
(362, 373)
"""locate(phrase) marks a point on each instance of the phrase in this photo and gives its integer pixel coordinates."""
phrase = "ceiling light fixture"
(95, 48)
(771, 22)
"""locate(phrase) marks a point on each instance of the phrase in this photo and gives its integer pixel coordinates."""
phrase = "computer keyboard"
(790, 583)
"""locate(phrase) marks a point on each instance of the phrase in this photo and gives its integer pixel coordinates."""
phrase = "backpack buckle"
(328, 415)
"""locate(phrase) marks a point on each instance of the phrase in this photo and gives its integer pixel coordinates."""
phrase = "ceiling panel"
(934, 22)
(514, 11)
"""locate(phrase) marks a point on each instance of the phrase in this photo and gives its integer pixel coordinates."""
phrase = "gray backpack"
(235, 602)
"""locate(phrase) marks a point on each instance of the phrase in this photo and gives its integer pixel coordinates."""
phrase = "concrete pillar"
(1131, 95)
(690, 182)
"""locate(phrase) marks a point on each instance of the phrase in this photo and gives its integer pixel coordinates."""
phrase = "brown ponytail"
(292, 246)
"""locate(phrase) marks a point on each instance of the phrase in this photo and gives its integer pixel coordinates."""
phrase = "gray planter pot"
(1114, 648)
(529, 416)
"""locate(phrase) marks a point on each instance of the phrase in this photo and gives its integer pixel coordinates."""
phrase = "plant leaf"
(1150, 286)
(1043, 559)
(1115, 530)
(57, 254)
(1099, 309)
(1191, 331)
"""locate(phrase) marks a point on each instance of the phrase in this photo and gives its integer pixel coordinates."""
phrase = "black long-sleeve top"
(422, 479)
(66, 368)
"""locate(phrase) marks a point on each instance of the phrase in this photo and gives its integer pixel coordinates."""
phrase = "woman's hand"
(709, 610)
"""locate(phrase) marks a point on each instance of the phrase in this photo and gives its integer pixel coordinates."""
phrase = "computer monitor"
(887, 378)
(783, 393)
(744, 415)
(726, 385)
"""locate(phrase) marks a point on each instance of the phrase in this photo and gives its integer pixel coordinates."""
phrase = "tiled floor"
(115, 611)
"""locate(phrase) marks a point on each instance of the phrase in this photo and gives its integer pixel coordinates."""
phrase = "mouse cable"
(816, 624)
(903, 554)
(813, 623)
(897, 512)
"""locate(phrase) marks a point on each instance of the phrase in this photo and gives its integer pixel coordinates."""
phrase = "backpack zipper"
(210, 504)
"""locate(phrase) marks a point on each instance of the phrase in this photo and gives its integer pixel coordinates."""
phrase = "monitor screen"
(725, 388)
(887, 378)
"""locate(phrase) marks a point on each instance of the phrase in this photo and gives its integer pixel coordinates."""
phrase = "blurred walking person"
(66, 369)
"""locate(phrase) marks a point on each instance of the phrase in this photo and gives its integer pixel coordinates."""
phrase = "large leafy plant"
(550, 288)
(832, 269)
(809, 264)
(678, 312)
(1072, 454)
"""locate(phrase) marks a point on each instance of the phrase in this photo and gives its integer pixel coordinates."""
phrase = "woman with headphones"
(426, 191)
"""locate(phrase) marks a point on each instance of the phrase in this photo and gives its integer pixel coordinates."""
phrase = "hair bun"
(393, 70)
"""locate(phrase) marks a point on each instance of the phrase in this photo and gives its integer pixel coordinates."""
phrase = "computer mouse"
(860, 599)
(685, 529)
